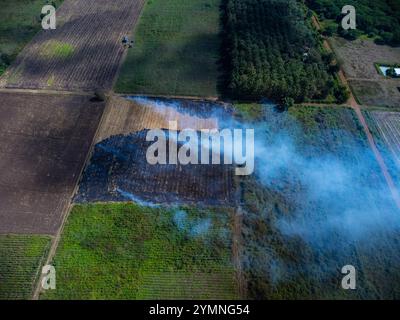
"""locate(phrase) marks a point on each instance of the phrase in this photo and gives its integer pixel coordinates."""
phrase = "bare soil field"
(83, 53)
(124, 116)
(358, 58)
(44, 143)
(119, 171)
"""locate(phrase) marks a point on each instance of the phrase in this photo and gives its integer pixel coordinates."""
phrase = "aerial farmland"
(110, 179)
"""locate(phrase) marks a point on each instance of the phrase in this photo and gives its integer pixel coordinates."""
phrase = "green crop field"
(124, 251)
(20, 21)
(176, 50)
(20, 260)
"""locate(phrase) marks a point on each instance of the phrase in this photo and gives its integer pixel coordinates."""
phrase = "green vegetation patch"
(125, 251)
(249, 111)
(175, 50)
(54, 49)
(21, 257)
(20, 21)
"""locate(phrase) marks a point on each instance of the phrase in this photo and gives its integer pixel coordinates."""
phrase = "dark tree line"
(376, 18)
(269, 50)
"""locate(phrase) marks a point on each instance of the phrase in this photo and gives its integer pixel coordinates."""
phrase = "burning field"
(119, 171)
(317, 201)
(44, 143)
(83, 53)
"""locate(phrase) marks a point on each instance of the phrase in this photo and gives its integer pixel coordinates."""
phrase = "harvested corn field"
(83, 53)
(44, 143)
(124, 116)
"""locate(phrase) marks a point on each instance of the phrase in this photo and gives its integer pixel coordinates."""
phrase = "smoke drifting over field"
(315, 202)
(332, 191)
(345, 200)
(342, 194)
(193, 228)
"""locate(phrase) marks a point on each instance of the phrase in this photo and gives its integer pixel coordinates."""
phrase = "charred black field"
(119, 171)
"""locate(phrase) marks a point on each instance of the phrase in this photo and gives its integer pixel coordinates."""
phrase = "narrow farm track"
(357, 108)
(378, 156)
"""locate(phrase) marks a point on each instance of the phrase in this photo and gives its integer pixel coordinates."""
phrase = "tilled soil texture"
(119, 171)
(127, 115)
(44, 143)
(83, 53)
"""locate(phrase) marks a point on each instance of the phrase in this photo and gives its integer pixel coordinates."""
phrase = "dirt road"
(357, 108)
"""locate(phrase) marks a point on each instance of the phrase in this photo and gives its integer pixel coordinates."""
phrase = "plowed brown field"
(44, 140)
(83, 53)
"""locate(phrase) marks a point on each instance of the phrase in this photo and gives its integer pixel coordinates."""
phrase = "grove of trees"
(379, 19)
(271, 51)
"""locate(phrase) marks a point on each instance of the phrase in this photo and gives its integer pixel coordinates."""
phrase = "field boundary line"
(46, 91)
(367, 80)
(65, 215)
(320, 104)
(237, 251)
(40, 265)
(167, 96)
